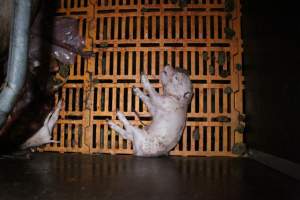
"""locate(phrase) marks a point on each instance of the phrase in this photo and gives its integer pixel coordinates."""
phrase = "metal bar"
(17, 63)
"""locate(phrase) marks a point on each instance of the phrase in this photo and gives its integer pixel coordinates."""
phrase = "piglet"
(43, 135)
(168, 113)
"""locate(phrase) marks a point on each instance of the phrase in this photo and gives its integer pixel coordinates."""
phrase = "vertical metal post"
(17, 63)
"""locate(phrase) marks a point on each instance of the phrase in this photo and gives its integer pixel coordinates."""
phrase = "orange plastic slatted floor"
(134, 36)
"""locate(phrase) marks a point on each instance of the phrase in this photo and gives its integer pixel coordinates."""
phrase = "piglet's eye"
(187, 95)
(165, 72)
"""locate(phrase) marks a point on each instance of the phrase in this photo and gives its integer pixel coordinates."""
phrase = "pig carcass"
(168, 112)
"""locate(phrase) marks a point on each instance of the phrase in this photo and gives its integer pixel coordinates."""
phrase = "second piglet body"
(168, 112)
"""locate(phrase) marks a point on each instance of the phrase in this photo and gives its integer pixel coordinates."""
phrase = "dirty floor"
(89, 177)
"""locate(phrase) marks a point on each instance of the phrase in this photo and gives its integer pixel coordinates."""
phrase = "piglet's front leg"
(148, 87)
(145, 99)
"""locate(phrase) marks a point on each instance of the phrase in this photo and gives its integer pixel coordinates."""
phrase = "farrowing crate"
(134, 36)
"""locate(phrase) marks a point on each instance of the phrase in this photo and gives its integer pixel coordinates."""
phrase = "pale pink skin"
(168, 112)
(43, 135)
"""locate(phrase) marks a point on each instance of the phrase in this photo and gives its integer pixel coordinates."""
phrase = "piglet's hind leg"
(119, 130)
(132, 130)
(126, 123)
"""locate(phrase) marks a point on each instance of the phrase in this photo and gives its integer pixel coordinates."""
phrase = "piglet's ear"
(187, 95)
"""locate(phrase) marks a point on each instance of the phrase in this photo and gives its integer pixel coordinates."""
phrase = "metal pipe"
(17, 62)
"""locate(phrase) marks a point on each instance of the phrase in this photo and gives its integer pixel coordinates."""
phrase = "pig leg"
(155, 98)
(126, 134)
(43, 136)
(148, 86)
(126, 123)
(52, 119)
(146, 100)
(119, 130)
(132, 130)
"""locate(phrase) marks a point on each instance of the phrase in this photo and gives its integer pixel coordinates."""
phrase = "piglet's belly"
(167, 131)
(151, 146)
(166, 126)
(157, 145)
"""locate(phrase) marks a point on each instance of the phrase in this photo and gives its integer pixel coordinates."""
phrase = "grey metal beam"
(17, 63)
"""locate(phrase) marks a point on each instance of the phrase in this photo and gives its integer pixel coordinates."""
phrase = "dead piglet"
(168, 112)
(44, 134)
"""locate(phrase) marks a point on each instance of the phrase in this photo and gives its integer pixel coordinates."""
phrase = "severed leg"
(54, 117)
(43, 135)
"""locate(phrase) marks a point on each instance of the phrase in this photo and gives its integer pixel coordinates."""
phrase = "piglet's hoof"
(59, 104)
(109, 122)
(134, 89)
(144, 79)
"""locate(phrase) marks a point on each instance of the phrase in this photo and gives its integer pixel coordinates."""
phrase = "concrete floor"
(71, 176)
